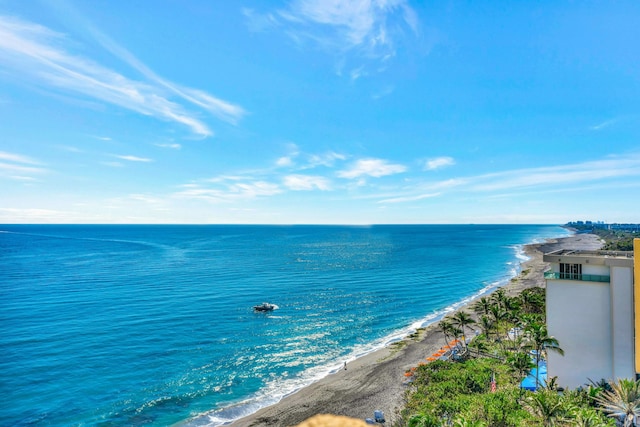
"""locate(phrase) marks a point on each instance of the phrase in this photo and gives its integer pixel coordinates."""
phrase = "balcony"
(582, 277)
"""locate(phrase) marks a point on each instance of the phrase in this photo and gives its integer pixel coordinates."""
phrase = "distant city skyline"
(319, 112)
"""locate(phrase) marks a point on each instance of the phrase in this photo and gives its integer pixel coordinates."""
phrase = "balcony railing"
(583, 277)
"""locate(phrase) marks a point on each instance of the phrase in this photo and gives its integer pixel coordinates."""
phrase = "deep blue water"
(115, 325)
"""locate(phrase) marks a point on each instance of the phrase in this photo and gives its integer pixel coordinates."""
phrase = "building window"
(571, 271)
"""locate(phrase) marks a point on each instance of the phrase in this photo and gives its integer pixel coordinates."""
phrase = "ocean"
(128, 325)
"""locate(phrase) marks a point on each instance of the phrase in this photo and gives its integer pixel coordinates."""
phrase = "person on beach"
(345, 366)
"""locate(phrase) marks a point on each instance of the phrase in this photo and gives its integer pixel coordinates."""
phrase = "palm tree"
(549, 406)
(482, 306)
(498, 314)
(462, 319)
(539, 340)
(486, 324)
(532, 301)
(520, 363)
(479, 345)
(449, 330)
(498, 297)
(512, 305)
(622, 401)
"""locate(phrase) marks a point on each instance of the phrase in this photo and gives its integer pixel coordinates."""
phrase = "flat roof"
(609, 258)
(588, 253)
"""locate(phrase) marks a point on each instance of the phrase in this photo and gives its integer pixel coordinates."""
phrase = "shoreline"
(375, 380)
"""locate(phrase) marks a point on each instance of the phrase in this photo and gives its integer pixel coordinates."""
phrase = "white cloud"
(410, 198)
(134, 158)
(553, 176)
(113, 164)
(33, 215)
(17, 158)
(22, 178)
(369, 28)
(229, 189)
(172, 146)
(284, 161)
(372, 167)
(255, 189)
(306, 182)
(544, 179)
(386, 91)
(35, 52)
(439, 162)
(604, 124)
(19, 167)
(259, 22)
(327, 159)
(596, 176)
(355, 22)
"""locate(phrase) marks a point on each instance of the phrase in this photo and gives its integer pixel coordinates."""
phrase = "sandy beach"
(376, 381)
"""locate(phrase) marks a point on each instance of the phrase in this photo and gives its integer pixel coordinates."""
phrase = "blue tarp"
(529, 383)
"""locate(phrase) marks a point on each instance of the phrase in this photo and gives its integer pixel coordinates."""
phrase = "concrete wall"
(579, 317)
(636, 297)
(599, 270)
(622, 322)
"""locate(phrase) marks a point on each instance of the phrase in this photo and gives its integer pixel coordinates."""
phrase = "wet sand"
(376, 381)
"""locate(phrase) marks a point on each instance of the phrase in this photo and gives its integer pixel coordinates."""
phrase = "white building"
(591, 303)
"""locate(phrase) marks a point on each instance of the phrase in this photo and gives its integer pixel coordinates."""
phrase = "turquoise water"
(152, 325)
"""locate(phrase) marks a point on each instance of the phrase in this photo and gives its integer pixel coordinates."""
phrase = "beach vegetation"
(482, 306)
(550, 407)
(483, 387)
(622, 401)
(462, 320)
(538, 340)
(520, 363)
(615, 239)
(486, 324)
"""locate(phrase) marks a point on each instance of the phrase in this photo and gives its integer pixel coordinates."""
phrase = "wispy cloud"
(386, 91)
(289, 159)
(113, 164)
(356, 23)
(173, 146)
(370, 28)
(518, 181)
(438, 163)
(327, 159)
(39, 53)
(306, 183)
(372, 167)
(284, 161)
(20, 167)
(33, 215)
(130, 158)
(17, 158)
(409, 199)
(230, 191)
(605, 124)
(614, 167)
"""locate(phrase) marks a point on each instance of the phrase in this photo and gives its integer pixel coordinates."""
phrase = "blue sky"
(319, 111)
